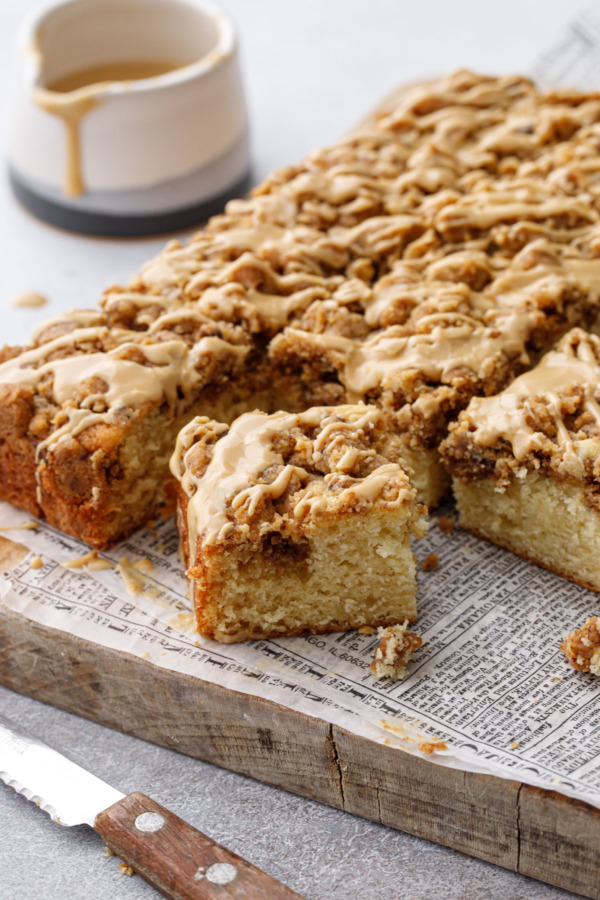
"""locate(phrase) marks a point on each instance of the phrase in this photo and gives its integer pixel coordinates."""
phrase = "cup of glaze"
(129, 117)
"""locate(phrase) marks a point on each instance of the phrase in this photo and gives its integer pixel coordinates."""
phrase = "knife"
(173, 857)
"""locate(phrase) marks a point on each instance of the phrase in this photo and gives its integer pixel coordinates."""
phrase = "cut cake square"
(526, 463)
(296, 523)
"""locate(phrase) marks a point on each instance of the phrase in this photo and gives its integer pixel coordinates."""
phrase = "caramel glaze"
(71, 109)
(73, 96)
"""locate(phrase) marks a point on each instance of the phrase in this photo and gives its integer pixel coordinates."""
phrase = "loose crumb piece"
(110, 852)
(36, 562)
(366, 629)
(582, 647)
(125, 869)
(514, 744)
(396, 646)
(446, 524)
(29, 298)
(144, 655)
(430, 562)
(431, 746)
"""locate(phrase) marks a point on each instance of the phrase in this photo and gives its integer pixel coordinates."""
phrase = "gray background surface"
(312, 70)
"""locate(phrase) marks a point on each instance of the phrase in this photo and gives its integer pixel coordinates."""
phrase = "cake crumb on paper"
(36, 562)
(429, 747)
(125, 869)
(366, 629)
(446, 524)
(395, 648)
(514, 744)
(430, 562)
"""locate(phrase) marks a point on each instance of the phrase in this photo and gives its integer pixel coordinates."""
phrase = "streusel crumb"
(395, 648)
(430, 562)
(582, 647)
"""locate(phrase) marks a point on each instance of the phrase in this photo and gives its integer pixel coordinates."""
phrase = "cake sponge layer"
(296, 523)
(541, 519)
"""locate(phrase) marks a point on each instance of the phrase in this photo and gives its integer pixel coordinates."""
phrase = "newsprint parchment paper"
(489, 680)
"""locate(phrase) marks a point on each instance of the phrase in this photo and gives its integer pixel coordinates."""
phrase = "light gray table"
(312, 68)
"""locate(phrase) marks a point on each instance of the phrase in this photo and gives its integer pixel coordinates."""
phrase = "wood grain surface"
(532, 831)
(177, 859)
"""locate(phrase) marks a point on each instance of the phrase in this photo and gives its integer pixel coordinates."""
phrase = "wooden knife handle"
(179, 861)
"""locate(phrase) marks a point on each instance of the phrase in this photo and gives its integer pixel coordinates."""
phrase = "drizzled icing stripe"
(245, 450)
(504, 416)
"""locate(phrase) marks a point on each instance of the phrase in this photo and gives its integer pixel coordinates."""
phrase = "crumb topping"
(394, 650)
(278, 472)
(582, 647)
(547, 419)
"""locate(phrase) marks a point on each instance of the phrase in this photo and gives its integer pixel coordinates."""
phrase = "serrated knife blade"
(70, 794)
(174, 857)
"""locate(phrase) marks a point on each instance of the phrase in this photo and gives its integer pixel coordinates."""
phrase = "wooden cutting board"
(530, 830)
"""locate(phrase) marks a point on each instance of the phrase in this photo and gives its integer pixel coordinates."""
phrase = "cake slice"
(296, 523)
(525, 463)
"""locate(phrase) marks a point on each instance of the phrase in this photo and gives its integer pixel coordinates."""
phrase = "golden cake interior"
(297, 523)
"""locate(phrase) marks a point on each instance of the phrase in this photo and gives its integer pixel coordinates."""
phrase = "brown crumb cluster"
(395, 648)
(446, 524)
(581, 647)
(430, 562)
(430, 747)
